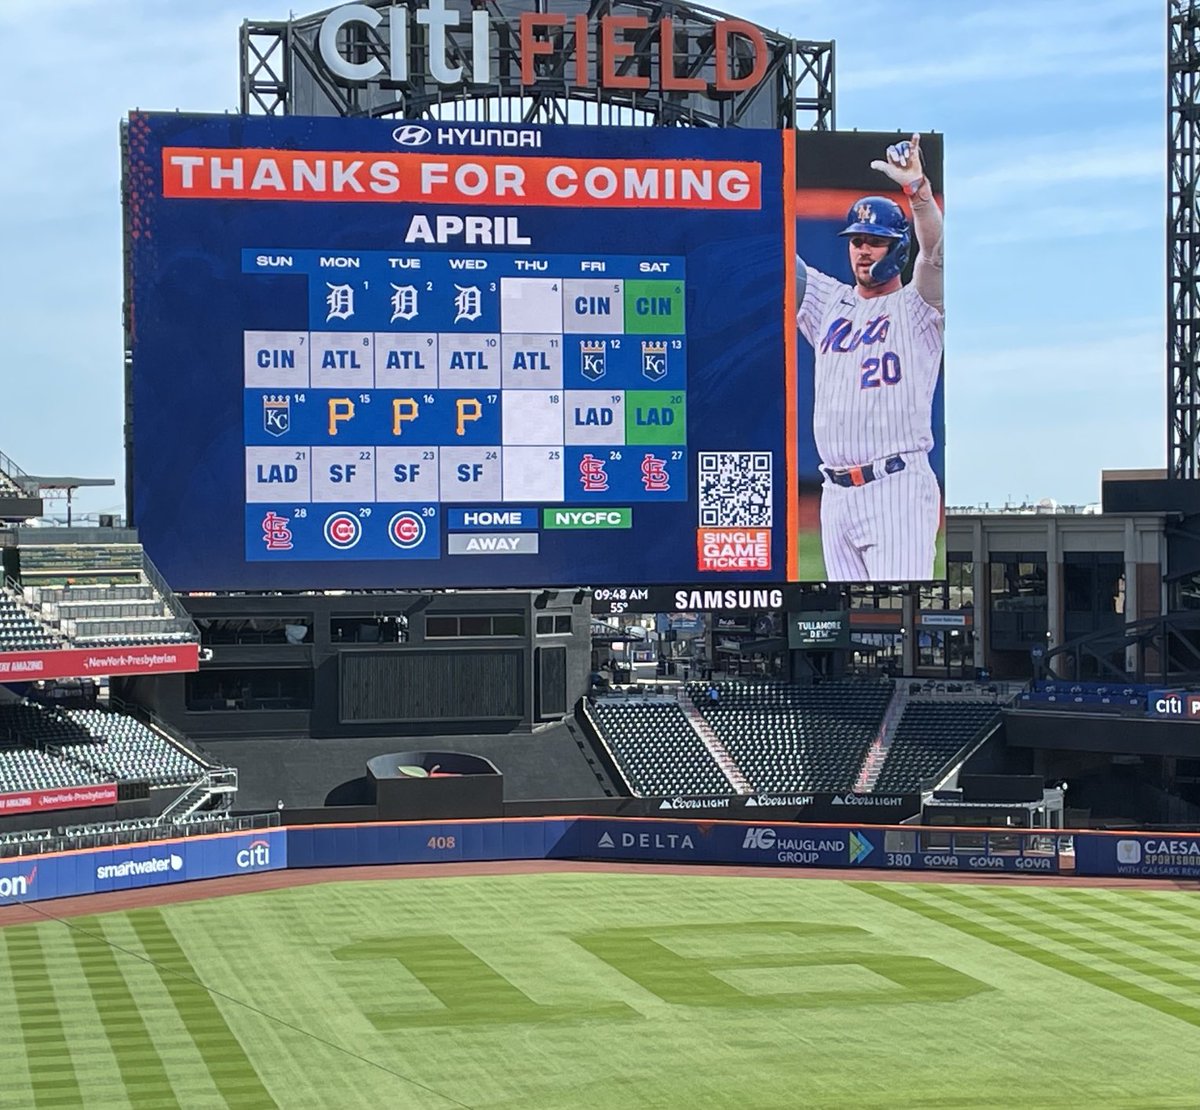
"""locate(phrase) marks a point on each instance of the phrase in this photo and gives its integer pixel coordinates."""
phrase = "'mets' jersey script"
(877, 361)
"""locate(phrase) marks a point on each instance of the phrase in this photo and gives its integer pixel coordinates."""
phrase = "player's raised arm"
(906, 168)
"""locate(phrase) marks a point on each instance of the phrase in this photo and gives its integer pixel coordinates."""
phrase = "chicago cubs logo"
(342, 531)
(406, 530)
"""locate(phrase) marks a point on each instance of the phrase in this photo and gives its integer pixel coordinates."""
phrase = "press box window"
(554, 624)
(473, 626)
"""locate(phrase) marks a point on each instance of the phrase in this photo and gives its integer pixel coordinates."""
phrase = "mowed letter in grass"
(563, 991)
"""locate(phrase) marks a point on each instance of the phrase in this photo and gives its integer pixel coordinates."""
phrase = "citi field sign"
(416, 39)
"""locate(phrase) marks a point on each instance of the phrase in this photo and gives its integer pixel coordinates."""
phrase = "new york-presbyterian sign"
(416, 41)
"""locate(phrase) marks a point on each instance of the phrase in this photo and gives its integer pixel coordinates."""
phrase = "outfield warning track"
(257, 882)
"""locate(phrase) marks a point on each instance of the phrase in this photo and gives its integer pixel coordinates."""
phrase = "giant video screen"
(380, 354)
(867, 427)
(371, 354)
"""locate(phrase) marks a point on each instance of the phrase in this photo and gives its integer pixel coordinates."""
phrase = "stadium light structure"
(1183, 239)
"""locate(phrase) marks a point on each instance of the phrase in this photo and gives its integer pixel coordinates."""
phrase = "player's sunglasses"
(868, 241)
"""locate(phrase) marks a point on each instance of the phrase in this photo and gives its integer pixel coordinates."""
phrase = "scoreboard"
(378, 356)
(493, 380)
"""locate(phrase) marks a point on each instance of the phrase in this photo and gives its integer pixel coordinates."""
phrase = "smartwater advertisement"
(34, 878)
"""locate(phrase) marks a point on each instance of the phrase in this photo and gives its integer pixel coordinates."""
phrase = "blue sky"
(1053, 114)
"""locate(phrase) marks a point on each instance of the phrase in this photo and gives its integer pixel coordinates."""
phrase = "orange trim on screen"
(792, 417)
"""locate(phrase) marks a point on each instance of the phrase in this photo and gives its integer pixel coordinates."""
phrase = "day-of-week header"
(244, 174)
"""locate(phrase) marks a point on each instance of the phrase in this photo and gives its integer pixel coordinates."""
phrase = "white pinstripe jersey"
(877, 361)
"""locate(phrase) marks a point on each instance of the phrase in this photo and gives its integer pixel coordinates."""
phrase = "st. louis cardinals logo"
(654, 474)
(843, 338)
(591, 474)
(276, 533)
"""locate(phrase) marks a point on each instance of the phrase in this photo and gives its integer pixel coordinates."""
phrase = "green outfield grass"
(570, 991)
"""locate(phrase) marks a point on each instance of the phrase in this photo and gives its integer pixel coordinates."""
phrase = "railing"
(112, 834)
(598, 732)
(984, 733)
(169, 733)
(166, 593)
(10, 468)
(222, 781)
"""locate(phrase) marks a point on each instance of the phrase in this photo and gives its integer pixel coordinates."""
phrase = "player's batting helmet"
(885, 219)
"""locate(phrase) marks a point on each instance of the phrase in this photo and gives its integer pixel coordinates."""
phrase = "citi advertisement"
(1175, 704)
(34, 878)
(1166, 856)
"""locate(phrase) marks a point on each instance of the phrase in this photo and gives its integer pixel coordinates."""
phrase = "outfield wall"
(901, 848)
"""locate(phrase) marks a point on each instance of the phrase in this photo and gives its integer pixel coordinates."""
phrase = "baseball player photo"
(877, 343)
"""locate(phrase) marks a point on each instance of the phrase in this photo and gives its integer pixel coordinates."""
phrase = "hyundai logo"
(412, 134)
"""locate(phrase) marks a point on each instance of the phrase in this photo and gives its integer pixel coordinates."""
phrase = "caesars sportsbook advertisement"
(387, 354)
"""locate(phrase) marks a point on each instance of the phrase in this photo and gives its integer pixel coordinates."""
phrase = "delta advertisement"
(36, 878)
(780, 845)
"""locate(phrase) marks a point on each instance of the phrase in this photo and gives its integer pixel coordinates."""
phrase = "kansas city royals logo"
(654, 359)
(277, 414)
(591, 359)
(654, 474)
(591, 474)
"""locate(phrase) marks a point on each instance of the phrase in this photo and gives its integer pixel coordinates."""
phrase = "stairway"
(873, 762)
(729, 768)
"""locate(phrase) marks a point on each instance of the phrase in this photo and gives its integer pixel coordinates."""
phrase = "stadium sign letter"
(614, 37)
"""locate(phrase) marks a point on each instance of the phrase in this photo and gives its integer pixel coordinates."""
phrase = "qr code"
(735, 489)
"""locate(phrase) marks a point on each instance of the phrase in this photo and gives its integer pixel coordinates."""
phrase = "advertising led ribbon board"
(371, 354)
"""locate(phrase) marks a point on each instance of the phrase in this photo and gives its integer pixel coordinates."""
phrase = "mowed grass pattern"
(612, 991)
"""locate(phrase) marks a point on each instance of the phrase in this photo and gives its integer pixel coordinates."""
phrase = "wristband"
(913, 186)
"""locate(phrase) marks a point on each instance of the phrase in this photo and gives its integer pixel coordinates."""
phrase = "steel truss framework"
(1183, 237)
(282, 73)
